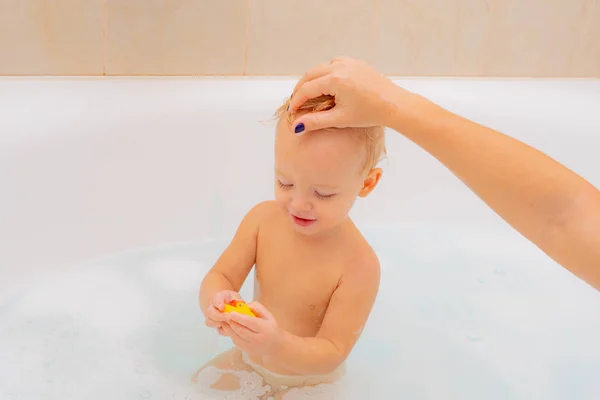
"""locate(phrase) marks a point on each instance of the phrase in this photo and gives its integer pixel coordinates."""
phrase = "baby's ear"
(370, 181)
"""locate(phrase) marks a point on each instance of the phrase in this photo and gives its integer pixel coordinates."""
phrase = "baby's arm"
(348, 311)
(234, 265)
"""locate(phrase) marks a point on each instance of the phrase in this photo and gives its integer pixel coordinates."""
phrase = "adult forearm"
(304, 356)
(553, 207)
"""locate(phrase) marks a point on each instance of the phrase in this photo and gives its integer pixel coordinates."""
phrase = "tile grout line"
(104, 34)
(247, 38)
(585, 27)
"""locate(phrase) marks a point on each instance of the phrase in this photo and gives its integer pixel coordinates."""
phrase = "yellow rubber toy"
(238, 306)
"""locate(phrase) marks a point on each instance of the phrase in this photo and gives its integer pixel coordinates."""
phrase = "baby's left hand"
(253, 335)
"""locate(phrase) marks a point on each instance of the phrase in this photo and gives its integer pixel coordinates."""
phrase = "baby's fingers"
(252, 323)
(261, 311)
(218, 302)
(221, 331)
(224, 297)
(215, 315)
(235, 338)
(212, 323)
(242, 332)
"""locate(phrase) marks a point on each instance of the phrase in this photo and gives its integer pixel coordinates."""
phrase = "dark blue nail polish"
(299, 128)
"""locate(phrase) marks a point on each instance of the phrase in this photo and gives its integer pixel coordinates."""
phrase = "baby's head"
(319, 174)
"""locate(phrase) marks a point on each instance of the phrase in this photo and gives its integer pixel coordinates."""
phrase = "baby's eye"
(324, 196)
(283, 185)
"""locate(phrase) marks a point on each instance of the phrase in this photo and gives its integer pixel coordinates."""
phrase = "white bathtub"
(157, 173)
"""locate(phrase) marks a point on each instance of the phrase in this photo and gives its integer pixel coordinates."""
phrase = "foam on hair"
(374, 137)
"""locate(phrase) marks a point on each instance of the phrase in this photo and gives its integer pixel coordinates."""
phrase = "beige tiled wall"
(542, 38)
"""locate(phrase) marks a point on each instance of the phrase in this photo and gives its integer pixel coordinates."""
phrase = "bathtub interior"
(119, 195)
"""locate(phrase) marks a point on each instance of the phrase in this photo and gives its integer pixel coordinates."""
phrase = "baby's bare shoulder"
(265, 213)
(361, 257)
(261, 210)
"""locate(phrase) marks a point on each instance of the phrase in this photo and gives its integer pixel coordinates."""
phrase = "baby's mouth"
(302, 221)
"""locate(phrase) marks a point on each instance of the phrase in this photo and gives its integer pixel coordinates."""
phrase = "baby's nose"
(300, 204)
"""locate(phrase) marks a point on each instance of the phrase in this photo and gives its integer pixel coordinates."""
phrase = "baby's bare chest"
(296, 283)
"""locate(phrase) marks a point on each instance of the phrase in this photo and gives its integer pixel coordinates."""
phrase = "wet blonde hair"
(373, 137)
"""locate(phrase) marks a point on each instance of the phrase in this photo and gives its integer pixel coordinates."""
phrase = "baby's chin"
(315, 228)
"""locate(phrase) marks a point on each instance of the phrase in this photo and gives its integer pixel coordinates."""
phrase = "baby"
(316, 277)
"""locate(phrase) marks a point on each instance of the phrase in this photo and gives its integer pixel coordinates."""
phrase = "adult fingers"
(340, 59)
(319, 71)
(319, 120)
(314, 73)
(312, 89)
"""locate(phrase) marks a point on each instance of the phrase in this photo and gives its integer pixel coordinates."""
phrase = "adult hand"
(363, 96)
(547, 203)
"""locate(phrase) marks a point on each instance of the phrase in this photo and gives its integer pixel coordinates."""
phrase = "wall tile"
(474, 37)
(533, 38)
(288, 37)
(586, 62)
(176, 37)
(50, 37)
(541, 38)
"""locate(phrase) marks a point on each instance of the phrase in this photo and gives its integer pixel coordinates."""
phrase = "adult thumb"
(315, 121)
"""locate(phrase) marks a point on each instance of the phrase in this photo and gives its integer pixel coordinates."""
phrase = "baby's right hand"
(214, 317)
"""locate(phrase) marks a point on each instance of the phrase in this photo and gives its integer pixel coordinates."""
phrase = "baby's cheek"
(347, 204)
(340, 209)
(280, 199)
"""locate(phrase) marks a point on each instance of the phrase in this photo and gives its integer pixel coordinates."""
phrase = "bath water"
(462, 314)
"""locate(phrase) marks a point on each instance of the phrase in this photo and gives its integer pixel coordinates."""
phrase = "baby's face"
(318, 176)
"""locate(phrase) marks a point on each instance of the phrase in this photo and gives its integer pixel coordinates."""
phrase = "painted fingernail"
(299, 128)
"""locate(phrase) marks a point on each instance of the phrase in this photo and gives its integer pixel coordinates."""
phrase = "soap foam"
(448, 325)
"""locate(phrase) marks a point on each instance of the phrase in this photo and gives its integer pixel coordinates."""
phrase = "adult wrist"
(411, 114)
(399, 107)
